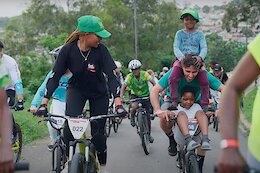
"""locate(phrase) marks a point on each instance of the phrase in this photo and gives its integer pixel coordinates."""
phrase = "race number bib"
(78, 127)
(57, 122)
(192, 126)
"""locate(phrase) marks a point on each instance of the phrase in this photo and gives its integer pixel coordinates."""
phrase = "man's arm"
(154, 98)
(230, 158)
(123, 88)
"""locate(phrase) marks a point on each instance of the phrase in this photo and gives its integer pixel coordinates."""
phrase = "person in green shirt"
(247, 70)
(189, 79)
(6, 156)
(138, 82)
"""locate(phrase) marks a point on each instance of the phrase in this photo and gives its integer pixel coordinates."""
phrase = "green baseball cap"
(192, 12)
(92, 24)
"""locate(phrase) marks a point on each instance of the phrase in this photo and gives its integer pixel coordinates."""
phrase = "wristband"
(229, 143)
(118, 104)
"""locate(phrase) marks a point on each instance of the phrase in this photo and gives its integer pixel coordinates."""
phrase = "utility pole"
(135, 29)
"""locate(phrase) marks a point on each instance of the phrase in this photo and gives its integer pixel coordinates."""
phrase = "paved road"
(126, 154)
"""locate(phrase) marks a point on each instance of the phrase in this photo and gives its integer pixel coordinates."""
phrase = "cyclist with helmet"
(119, 74)
(58, 105)
(137, 81)
(88, 60)
(190, 41)
(6, 156)
(219, 73)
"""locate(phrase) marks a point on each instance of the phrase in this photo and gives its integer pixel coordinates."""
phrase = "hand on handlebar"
(42, 110)
(168, 115)
(19, 105)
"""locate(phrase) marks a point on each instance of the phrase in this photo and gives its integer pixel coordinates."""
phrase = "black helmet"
(217, 68)
(1, 45)
(55, 52)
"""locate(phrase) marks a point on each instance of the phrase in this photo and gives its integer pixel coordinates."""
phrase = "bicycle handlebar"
(21, 166)
(136, 99)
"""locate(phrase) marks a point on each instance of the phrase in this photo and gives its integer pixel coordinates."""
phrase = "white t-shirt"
(189, 112)
(12, 70)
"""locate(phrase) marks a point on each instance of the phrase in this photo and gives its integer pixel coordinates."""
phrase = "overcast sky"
(10, 8)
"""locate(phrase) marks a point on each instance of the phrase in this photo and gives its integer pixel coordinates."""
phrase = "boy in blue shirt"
(189, 41)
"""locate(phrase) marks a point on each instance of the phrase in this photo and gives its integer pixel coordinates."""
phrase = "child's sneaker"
(173, 106)
(192, 145)
(205, 145)
(51, 145)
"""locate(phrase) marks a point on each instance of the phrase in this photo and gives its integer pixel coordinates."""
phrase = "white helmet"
(134, 64)
(118, 64)
(55, 52)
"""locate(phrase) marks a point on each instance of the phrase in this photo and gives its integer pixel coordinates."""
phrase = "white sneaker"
(66, 168)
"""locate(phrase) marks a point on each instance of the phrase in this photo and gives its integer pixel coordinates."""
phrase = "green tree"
(241, 11)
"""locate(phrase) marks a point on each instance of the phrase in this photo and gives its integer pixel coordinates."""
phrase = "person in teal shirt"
(58, 105)
(189, 79)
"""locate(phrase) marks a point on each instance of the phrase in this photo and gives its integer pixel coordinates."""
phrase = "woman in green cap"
(88, 60)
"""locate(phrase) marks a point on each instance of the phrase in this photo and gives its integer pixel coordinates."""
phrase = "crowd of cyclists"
(85, 71)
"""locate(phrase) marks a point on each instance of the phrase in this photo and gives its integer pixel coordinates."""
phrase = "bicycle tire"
(214, 122)
(108, 127)
(217, 124)
(77, 163)
(115, 124)
(58, 153)
(19, 142)
(144, 133)
(120, 120)
(192, 165)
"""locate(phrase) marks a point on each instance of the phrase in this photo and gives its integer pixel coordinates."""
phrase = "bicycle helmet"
(192, 12)
(134, 64)
(118, 64)
(55, 52)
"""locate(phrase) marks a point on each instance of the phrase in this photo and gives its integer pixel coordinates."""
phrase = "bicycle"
(17, 140)
(215, 107)
(113, 121)
(83, 161)
(141, 119)
(188, 158)
(59, 147)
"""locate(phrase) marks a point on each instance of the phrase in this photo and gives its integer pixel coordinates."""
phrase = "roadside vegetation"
(248, 104)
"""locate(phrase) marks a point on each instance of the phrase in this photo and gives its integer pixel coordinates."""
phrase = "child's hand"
(198, 61)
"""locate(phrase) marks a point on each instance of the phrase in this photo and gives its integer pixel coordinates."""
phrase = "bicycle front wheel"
(17, 146)
(192, 165)
(58, 159)
(115, 124)
(144, 134)
(77, 163)
(108, 127)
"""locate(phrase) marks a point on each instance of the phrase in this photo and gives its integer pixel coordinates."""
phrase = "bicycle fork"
(84, 143)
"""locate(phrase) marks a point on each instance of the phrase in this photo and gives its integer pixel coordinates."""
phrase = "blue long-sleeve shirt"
(189, 43)
(59, 93)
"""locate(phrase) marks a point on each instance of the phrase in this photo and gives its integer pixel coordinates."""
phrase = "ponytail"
(73, 36)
